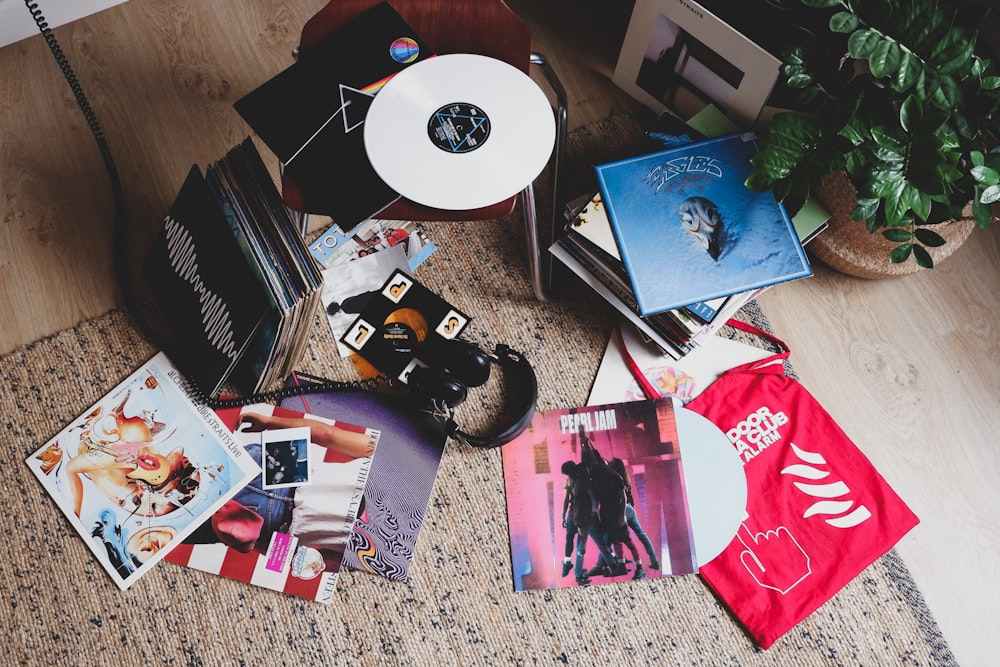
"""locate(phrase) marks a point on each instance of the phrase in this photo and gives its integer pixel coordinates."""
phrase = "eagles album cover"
(688, 229)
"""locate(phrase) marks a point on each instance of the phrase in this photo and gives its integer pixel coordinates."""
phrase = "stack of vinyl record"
(589, 249)
(233, 277)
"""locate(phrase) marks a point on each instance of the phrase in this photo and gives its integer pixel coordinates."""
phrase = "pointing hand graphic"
(773, 558)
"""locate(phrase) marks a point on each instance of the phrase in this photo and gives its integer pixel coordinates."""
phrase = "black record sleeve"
(311, 115)
(209, 294)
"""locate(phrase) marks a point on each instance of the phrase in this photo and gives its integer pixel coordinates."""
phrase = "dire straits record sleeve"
(459, 131)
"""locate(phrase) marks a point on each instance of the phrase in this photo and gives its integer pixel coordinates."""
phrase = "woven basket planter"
(846, 245)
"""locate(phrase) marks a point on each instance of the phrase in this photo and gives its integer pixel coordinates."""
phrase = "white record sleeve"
(459, 131)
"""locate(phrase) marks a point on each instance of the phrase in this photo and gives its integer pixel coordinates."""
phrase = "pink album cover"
(597, 495)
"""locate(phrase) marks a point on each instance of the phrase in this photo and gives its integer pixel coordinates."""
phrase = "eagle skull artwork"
(700, 216)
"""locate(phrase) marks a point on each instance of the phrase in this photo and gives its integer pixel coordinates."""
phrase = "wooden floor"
(909, 366)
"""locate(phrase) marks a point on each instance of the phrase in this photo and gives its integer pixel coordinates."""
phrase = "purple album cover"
(400, 480)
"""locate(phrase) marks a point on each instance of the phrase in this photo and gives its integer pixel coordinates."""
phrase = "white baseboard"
(16, 22)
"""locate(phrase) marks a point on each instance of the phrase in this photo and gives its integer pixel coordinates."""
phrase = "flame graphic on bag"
(827, 492)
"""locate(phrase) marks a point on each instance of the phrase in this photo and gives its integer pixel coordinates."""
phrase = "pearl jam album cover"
(597, 495)
(688, 229)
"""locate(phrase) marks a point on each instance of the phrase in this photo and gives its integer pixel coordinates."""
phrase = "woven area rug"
(459, 605)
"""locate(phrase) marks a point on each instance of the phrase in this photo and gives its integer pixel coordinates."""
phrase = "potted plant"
(895, 97)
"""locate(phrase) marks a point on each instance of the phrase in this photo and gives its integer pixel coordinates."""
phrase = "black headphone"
(457, 365)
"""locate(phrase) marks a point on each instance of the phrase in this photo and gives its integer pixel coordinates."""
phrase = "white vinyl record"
(715, 483)
(459, 131)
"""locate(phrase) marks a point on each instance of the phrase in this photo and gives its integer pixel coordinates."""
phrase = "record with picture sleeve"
(402, 325)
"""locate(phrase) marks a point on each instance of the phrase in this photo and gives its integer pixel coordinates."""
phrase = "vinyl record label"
(459, 131)
(458, 128)
(403, 324)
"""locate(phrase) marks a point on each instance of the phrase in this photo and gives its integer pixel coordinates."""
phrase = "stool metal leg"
(542, 278)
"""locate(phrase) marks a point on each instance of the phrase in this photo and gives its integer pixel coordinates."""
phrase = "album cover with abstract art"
(400, 480)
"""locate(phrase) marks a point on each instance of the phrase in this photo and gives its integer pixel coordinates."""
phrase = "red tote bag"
(818, 513)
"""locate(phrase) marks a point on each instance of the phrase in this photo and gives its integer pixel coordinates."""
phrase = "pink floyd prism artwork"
(597, 495)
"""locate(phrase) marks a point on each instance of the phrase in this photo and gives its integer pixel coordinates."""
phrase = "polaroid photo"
(680, 57)
(285, 457)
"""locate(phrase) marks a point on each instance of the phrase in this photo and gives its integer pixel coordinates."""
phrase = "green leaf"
(949, 94)
(783, 189)
(928, 85)
(907, 73)
(911, 113)
(990, 82)
(897, 235)
(928, 237)
(794, 55)
(932, 28)
(985, 176)
(799, 81)
(957, 59)
(949, 173)
(922, 257)
(844, 22)
(983, 213)
(758, 181)
(889, 158)
(897, 203)
(890, 138)
(990, 195)
(901, 253)
(979, 66)
(789, 69)
(953, 52)
(865, 209)
(862, 43)
(885, 58)
(921, 203)
(820, 3)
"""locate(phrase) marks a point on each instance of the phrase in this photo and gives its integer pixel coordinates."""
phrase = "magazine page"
(597, 495)
(141, 469)
(335, 247)
(288, 528)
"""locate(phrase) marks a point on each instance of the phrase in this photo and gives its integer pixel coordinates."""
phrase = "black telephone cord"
(132, 306)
